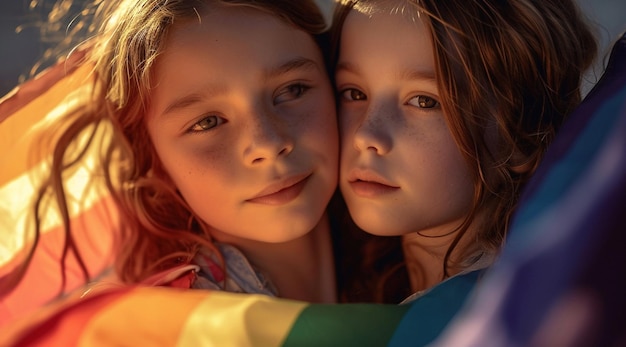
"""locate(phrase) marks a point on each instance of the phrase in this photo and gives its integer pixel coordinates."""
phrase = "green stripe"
(345, 325)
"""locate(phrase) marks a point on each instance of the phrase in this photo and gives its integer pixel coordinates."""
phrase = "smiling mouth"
(282, 193)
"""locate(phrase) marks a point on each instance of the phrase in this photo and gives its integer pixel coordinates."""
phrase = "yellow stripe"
(228, 319)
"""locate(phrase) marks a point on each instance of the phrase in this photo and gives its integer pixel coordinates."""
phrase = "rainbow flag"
(160, 316)
(24, 113)
(559, 280)
(140, 316)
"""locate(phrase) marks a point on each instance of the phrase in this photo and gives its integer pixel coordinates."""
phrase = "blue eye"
(206, 123)
(423, 101)
(291, 92)
(352, 94)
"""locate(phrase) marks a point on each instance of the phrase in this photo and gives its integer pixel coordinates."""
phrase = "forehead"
(384, 44)
(226, 48)
(222, 36)
(400, 27)
(242, 23)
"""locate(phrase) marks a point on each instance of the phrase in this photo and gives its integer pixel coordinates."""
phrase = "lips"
(281, 192)
(368, 184)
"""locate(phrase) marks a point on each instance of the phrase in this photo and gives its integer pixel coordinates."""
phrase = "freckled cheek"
(197, 161)
(344, 118)
(347, 123)
(448, 156)
(429, 147)
(453, 166)
(330, 133)
(319, 121)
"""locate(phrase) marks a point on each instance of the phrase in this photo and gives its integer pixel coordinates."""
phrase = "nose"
(269, 139)
(373, 133)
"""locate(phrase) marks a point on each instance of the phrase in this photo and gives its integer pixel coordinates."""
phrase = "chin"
(283, 237)
(375, 226)
(289, 231)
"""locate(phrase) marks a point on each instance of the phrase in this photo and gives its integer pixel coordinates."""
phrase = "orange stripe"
(34, 87)
(150, 316)
(15, 146)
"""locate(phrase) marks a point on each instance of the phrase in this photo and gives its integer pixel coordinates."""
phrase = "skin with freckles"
(251, 144)
(221, 154)
(401, 171)
(445, 109)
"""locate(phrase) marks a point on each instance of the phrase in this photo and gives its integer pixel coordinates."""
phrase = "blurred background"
(22, 45)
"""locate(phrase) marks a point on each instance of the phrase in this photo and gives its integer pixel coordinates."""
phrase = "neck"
(425, 256)
(301, 269)
(424, 261)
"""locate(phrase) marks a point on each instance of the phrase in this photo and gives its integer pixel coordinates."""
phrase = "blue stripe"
(566, 171)
(431, 313)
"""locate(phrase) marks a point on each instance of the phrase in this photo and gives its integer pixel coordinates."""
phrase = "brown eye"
(423, 101)
(291, 92)
(353, 95)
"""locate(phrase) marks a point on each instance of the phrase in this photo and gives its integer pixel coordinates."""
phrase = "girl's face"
(401, 171)
(242, 116)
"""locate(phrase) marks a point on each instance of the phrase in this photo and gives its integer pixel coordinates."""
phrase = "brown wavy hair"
(508, 73)
(123, 39)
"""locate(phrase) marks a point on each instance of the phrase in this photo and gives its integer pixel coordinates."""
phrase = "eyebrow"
(408, 74)
(299, 63)
(191, 99)
(418, 74)
(196, 97)
(348, 67)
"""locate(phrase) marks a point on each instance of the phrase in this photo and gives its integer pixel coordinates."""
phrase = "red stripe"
(63, 326)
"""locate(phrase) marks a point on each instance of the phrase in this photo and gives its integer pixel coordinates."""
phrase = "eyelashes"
(424, 101)
(207, 123)
(352, 94)
(421, 101)
(291, 92)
